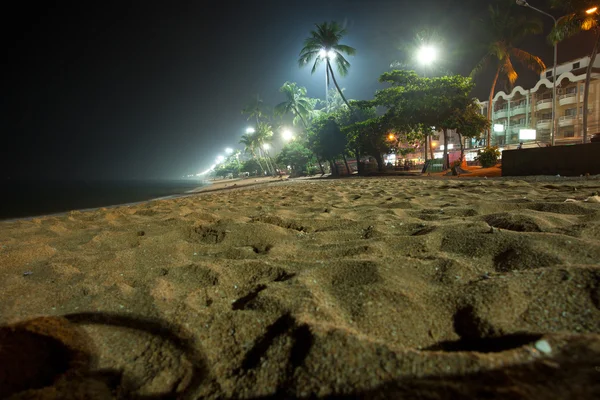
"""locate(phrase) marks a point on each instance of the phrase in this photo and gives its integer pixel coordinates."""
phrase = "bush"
(488, 157)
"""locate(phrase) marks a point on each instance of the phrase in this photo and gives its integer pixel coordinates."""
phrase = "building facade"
(531, 109)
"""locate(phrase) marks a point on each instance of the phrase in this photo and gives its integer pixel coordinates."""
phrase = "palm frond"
(528, 60)
(509, 70)
(342, 48)
(481, 65)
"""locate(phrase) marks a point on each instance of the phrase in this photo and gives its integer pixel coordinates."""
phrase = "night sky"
(154, 89)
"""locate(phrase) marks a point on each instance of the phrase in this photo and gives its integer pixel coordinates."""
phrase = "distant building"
(532, 108)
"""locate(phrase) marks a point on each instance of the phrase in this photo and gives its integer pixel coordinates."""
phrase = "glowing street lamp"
(250, 130)
(229, 150)
(591, 10)
(391, 137)
(287, 135)
(427, 54)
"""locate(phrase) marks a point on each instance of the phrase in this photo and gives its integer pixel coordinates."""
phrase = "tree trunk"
(489, 111)
(379, 160)
(445, 165)
(336, 84)
(586, 90)
(426, 148)
(334, 169)
(430, 148)
(258, 162)
(346, 163)
(359, 168)
(462, 148)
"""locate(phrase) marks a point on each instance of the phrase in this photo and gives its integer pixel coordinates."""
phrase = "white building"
(532, 108)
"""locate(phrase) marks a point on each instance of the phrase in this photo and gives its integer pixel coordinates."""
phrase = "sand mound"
(372, 288)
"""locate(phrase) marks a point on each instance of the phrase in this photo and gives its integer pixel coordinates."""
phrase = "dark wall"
(564, 160)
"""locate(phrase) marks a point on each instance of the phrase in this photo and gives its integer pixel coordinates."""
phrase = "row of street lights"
(286, 134)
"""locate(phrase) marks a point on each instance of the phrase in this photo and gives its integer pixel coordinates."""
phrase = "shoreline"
(225, 185)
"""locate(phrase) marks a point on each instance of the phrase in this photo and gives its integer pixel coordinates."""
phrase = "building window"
(548, 74)
(569, 134)
(576, 65)
(572, 89)
(571, 112)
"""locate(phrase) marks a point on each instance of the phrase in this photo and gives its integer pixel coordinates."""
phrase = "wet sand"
(389, 287)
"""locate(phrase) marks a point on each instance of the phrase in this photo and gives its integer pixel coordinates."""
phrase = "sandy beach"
(410, 288)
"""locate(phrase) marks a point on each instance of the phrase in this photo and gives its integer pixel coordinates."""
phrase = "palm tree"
(333, 102)
(255, 109)
(576, 21)
(263, 137)
(250, 144)
(296, 103)
(324, 44)
(507, 30)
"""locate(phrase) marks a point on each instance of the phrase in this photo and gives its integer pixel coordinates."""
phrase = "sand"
(423, 288)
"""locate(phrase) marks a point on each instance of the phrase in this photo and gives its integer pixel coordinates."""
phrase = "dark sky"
(154, 89)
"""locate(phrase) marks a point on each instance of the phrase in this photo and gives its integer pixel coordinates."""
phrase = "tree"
(324, 44)
(334, 102)
(576, 21)
(327, 140)
(250, 145)
(372, 138)
(348, 118)
(415, 103)
(263, 136)
(506, 29)
(296, 103)
(251, 166)
(297, 156)
(470, 123)
(255, 109)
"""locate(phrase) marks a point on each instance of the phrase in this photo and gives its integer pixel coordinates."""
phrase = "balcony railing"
(520, 109)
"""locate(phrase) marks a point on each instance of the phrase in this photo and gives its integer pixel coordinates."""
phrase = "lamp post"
(426, 55)
(524, 3)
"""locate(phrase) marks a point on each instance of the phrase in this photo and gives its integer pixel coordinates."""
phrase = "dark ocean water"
(30, 198)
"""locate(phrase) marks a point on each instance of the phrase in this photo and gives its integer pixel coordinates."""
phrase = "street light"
(287, 135)
(426, 54)
(250, 130)
(591, 10)
(524, 3)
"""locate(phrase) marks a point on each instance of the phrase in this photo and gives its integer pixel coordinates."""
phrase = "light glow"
(266, 146)
(331, 54)
(322, 53)
(427, 54)
(287, 135)
(527, 134)
(391, 136)
(591, 10)
(229, 150)
(250, 130)
(498, 128)
(220, 159)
